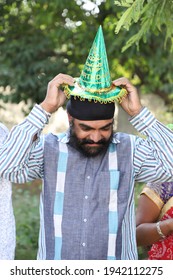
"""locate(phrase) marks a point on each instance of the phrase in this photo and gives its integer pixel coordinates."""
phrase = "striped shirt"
(7, 220)
(151, 159)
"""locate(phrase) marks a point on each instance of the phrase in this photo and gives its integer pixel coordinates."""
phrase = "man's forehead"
(94, 124)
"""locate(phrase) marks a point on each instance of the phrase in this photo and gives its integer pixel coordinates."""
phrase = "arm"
(7, 222)
(21, 156)
(153, 156)
(146, 218)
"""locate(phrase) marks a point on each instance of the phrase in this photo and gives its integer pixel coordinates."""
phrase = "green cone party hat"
(94, 82)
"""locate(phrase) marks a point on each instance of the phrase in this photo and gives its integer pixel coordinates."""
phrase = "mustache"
(88, 141)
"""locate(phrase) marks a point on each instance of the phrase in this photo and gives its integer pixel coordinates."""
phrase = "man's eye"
(106, 128)
(86, 129)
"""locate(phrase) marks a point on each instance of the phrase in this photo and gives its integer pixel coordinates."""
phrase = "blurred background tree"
(152, 16)
(39, 39)
(151, 26)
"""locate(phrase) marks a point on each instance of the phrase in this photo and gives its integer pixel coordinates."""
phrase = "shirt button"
(83, 244)
(86, 197)
(88, 177)
(85, 220)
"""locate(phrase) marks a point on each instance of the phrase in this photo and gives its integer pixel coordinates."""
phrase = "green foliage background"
(26, 211)
(39, 39)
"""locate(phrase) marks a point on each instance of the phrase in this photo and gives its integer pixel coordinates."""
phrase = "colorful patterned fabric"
(163, 249)
(163, 190)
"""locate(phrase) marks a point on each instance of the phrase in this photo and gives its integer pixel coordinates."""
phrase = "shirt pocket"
(104, 183)
(123, 191)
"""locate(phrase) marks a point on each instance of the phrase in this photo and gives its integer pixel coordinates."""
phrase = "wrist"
(47, 107)
(136, 112)
(159, 230)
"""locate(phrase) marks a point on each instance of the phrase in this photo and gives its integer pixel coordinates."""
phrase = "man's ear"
(70, 118)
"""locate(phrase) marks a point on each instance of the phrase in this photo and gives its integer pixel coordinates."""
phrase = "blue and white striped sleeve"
(21, 158)
(153, 154)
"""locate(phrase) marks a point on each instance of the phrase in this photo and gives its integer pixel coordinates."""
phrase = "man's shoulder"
(60, 137)
(3, 132)
(121, 136)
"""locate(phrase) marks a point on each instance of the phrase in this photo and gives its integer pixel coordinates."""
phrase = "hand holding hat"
(55, 96)
(94, 86)
(131, 103)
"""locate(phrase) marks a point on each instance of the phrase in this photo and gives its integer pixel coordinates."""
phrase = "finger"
(125, 83)
(121, 81)
(63, 79)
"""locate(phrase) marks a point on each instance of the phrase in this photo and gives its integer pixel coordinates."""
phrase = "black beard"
(88, 151)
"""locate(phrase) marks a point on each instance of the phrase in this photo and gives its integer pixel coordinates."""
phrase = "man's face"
(91, 137)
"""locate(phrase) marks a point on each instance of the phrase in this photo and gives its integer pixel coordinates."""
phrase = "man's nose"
(95, 136)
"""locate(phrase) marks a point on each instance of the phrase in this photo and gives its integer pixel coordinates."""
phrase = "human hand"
(55, 96)
(131, 102)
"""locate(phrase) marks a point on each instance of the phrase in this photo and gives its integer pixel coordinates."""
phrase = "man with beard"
(90, 137)
(87, 202)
